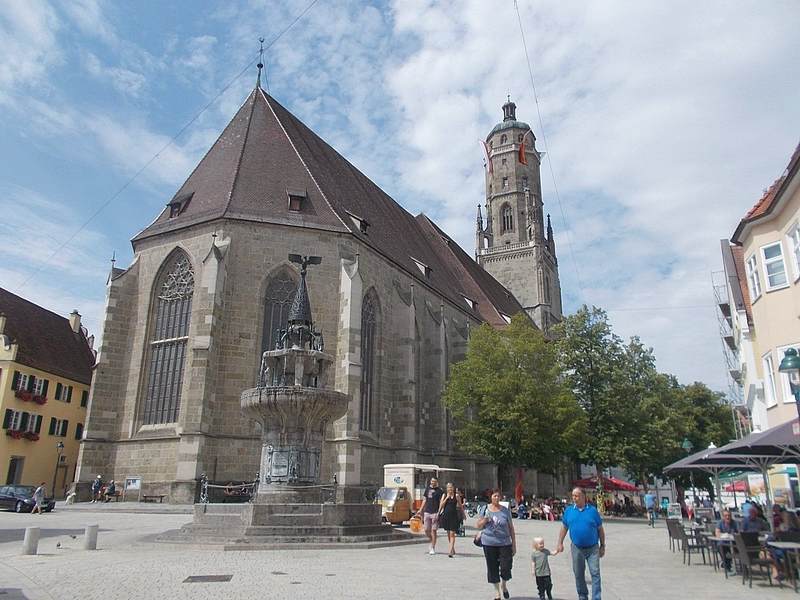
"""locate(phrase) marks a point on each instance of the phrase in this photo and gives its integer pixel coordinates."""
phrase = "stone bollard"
(31, 541)
(90, 538)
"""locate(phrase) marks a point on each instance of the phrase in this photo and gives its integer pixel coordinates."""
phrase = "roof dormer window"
(296, 199)
(506, 318)
(178, 204)
(470, 302)
(362, 224)
(423, 268)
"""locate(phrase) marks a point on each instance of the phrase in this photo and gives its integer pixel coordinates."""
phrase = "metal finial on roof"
(260, 64)
(113, 258)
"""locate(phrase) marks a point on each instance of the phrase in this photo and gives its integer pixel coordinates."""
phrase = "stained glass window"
(277, 302)
(173, 312)
(369, 325)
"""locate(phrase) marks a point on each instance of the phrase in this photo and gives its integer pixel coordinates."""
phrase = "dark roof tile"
(46, 340)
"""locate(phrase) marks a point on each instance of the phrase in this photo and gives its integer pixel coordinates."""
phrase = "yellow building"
(46, 365)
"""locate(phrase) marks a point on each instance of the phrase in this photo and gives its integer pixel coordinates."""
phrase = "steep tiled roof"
(265, 152)
(770, 196)
(46, 340)
(493, 299)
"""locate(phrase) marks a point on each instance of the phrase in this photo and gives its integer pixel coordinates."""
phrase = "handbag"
(477, 539)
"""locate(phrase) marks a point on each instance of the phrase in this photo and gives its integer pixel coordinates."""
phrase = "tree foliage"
(509, 399)
(525, 401)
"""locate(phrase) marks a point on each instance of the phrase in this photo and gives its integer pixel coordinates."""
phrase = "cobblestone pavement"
(128, 564)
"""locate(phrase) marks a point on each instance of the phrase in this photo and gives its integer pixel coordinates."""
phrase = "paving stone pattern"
(128, 564)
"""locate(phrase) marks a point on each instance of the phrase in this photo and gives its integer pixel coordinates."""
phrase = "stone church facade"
(210, 284)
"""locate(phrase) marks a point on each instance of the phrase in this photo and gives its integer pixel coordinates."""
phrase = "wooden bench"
(116, 496)
(153, 497)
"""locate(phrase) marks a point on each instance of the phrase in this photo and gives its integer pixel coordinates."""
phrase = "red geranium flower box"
(40, 400)
(24, 395)
(14, 433)
(31, 435)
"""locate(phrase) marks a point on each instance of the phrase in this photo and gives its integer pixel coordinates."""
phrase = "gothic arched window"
(547, 290)
(172, 314)
(277, 302)
(507, 218)
(503, 138)
(370, 317)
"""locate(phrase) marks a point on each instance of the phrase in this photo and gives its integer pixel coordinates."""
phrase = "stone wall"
(419, 333)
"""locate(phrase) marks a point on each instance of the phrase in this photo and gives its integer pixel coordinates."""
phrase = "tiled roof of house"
(46, 340)
(770, 196)
(266, 153)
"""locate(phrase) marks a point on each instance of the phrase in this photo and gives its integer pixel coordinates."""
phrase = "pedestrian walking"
(97, 486)
(449, 517)
(588, 537)
(430, 511)
(540, 567)
(38, 498)
(499, 542)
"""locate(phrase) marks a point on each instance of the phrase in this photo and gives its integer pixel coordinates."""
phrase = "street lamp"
(791, 366)
(59, 450)
(689, 446)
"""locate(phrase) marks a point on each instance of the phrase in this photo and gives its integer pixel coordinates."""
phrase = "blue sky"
(664, 122)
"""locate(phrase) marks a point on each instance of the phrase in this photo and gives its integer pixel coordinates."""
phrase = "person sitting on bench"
(111, 490)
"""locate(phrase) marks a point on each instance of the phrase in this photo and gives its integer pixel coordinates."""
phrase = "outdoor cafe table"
(718, 542)
(790, 549)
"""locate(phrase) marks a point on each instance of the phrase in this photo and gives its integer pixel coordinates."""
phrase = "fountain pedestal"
(294, 403)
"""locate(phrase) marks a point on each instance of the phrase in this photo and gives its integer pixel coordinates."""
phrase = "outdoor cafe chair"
(672, 526)
(749, 557)
(690, 545)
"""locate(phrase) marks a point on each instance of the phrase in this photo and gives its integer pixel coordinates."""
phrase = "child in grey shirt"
(541, 568)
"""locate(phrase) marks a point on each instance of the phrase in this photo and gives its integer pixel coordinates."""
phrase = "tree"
(592, 358)
(509, 400)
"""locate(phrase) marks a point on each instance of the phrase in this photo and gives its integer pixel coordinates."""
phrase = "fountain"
(293, 402)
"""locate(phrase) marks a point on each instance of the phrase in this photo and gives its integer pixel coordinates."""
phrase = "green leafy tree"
(591, 358)
(509, 399)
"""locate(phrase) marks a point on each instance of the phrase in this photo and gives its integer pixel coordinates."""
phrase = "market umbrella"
(708, 461)
(765, 448)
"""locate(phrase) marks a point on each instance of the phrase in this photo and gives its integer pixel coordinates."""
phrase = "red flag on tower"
(522, 158)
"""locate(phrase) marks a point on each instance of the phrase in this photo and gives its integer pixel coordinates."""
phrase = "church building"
(210, 286)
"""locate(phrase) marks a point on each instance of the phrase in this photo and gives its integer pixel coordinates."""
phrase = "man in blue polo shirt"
(588, 542)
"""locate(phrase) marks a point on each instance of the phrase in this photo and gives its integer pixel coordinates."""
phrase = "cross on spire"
(260, 64)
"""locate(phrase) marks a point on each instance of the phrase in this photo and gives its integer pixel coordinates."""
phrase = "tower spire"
(260, 64)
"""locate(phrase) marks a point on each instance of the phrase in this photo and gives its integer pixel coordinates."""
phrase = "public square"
(129, 564)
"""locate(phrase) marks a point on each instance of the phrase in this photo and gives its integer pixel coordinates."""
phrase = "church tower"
(515, 244)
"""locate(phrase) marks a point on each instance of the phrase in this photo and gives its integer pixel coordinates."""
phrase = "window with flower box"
(20, 424)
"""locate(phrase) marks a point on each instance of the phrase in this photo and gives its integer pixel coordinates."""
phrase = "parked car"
(19, 498)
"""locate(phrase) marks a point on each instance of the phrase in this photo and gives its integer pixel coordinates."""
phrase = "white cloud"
(27, 44)
(123, 80)
(663, 122)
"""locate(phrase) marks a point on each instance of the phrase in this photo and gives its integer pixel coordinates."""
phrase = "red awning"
(609, 483)
(738, 486)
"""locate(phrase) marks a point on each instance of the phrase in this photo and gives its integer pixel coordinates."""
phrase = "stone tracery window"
(508, 218)
(370, 317)
(172, 315)
(277, 302)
